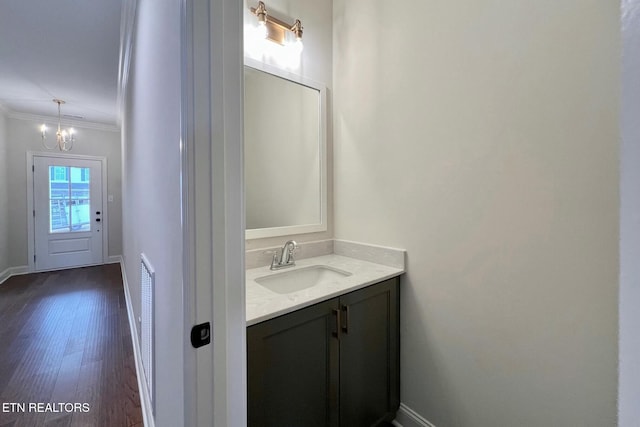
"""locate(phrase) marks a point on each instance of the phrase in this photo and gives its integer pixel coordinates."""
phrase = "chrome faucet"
(284, 257)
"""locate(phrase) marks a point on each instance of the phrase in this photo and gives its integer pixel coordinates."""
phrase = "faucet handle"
(275, 253)
(274, 261)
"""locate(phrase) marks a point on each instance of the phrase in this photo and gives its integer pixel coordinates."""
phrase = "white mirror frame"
(259, 233)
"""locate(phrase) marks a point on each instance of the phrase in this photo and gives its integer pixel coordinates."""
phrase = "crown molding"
(66, 122)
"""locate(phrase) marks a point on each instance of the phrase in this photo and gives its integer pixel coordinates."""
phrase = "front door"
(67, 200)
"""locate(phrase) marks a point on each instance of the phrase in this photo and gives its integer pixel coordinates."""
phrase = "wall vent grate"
(147, 288)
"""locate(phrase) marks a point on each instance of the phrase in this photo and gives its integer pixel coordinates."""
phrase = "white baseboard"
(407, 417)
(145, 400)
(114, 259)
(13, 271)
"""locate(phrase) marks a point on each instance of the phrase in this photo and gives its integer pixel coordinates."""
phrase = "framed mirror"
(284, 153)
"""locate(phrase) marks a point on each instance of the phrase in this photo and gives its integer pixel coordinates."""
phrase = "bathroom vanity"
(325, 354)
(323, 337)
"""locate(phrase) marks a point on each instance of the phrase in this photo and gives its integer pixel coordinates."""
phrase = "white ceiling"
(66, 49)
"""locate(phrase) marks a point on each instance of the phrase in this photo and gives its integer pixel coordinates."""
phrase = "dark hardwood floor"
(65, 339)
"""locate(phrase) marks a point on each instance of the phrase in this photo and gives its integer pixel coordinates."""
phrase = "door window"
(69, 199)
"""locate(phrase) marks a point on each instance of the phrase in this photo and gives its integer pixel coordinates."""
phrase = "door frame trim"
(212, 169)
(31, 237)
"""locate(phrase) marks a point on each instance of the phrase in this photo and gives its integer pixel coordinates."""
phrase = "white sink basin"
(302, 278)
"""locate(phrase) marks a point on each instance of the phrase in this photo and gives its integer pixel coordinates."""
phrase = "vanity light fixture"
(64, 138)
(276, 30)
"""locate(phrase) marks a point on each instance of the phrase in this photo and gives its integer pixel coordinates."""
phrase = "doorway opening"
(66, 197)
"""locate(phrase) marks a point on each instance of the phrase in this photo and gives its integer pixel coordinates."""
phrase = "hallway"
(65, 339)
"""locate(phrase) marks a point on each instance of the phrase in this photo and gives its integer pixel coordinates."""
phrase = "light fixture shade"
(262, 31)
(297, 47)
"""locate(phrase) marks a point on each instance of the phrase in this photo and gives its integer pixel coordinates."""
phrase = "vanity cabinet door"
(292, 365)
(369, 355)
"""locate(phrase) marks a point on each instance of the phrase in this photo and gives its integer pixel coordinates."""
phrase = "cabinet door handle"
(338, 323)
(345, 328)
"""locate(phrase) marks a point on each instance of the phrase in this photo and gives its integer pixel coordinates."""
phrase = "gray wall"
(151, 191)
(4, 196)
(25, 137)
(483, 138)
(629, 371)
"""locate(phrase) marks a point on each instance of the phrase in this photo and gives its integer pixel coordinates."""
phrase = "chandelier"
(64, 138)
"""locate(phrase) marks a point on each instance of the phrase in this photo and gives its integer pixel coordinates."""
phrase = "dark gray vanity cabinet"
(335, 363)
(292, 373)
(369, 355)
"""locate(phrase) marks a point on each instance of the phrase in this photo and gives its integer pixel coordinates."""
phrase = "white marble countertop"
(263, 304)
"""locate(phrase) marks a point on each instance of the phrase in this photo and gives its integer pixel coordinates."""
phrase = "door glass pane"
(80, 199)
(58, 182)
(80, 183)
(80, 218)
(59, 218)
(69, 198)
